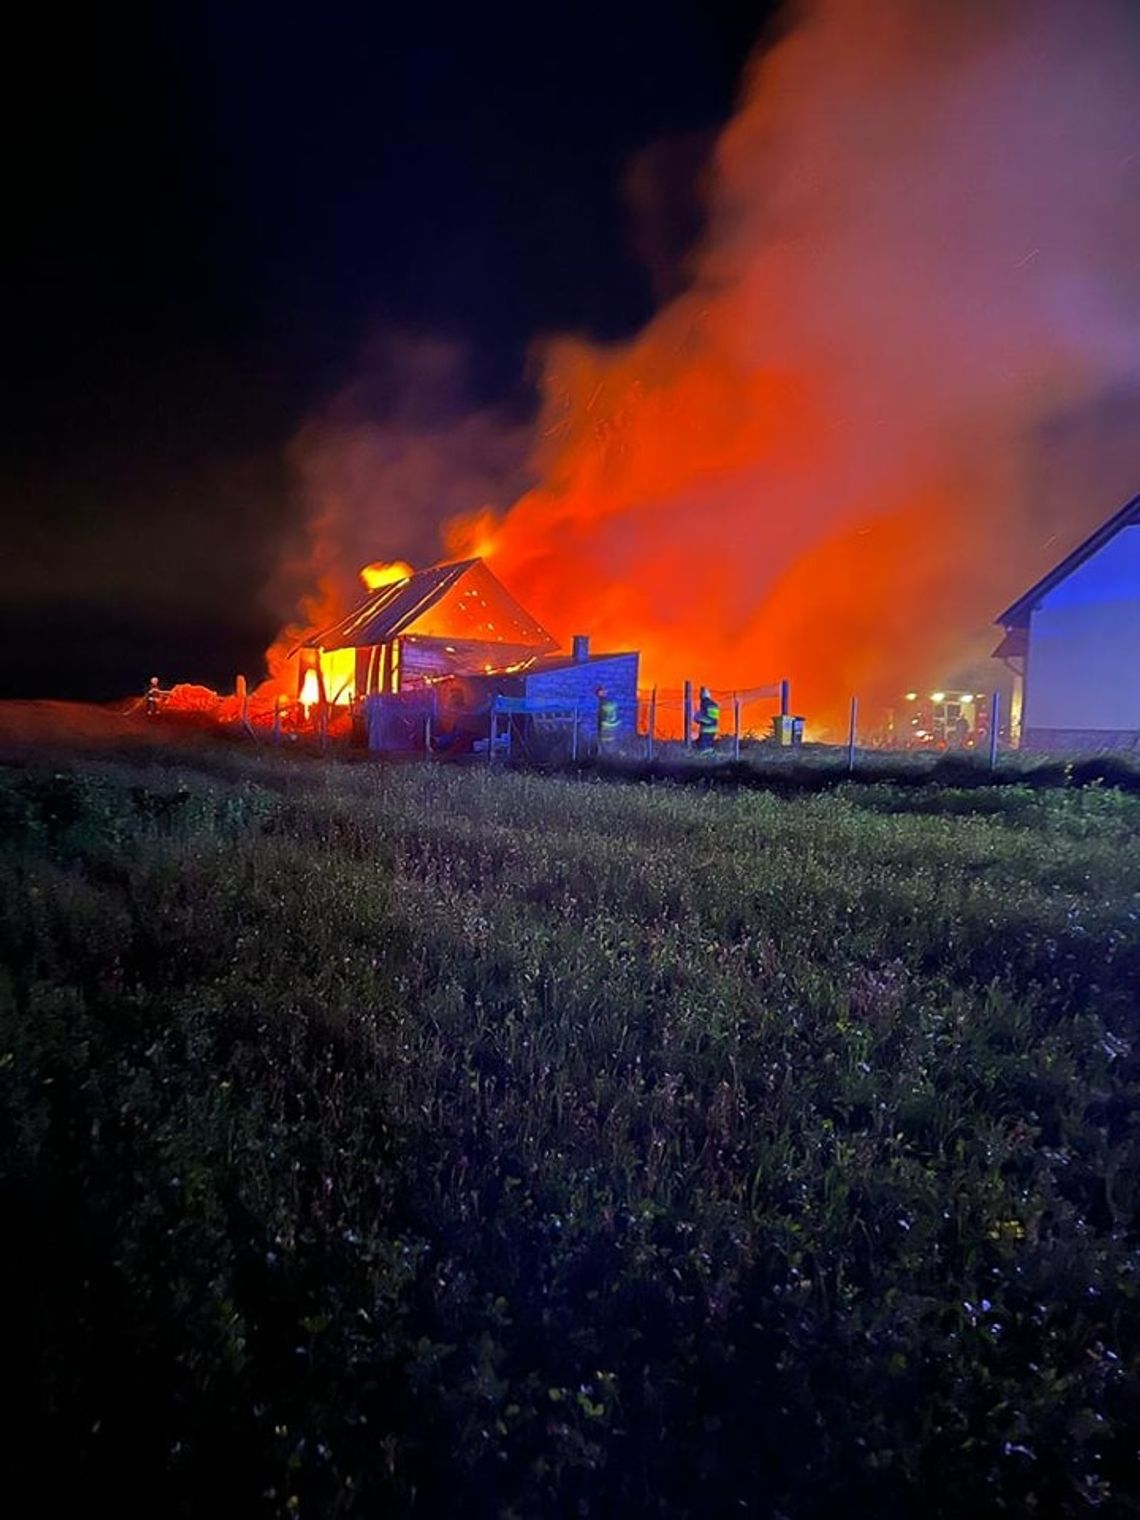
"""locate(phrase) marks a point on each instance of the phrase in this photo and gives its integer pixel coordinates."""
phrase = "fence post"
(574, 735)
(736, 730)
(995, 719)
(851, 735)
(493, 736)
(785, 697)
(652, 722)
(241, 691)
(277, 720)
(687, 715)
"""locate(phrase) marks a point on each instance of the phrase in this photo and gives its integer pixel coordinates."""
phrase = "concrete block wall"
(578, 683)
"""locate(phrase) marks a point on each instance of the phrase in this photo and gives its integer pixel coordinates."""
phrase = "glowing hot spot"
(383, 573)
(310, 691)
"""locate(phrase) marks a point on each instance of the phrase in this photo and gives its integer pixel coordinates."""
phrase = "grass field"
(450, 1142)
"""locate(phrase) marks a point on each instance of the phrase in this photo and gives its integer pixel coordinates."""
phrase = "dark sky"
(215, 206)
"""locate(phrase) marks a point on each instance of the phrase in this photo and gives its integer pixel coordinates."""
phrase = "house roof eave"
(1018, 613)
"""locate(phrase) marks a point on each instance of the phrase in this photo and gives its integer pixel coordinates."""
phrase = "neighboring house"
(1073, 640)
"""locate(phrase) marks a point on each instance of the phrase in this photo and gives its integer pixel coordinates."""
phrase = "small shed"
(1073, 642)
(449, 620)
(573, 681)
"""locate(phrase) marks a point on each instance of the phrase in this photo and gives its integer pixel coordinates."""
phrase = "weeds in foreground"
(427, 1141)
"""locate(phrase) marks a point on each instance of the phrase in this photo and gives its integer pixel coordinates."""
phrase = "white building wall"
(1084, 647)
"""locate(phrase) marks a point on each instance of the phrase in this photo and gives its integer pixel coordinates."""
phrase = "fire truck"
(942, 720)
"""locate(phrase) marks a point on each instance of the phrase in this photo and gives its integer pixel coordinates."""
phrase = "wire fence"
(743, 714)
(974, 722)
(655, 721)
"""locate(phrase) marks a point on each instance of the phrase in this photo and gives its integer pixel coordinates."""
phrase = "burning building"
(1073, 640)
(449, 620)
(442, 644)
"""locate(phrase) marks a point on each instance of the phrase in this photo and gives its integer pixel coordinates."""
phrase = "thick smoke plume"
(829, 457)
(380, 469)
(821, 460)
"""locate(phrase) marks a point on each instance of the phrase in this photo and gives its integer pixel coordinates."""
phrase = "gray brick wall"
(579, 683)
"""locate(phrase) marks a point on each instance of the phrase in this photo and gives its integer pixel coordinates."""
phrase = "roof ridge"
(385, 613)
(1018, 612)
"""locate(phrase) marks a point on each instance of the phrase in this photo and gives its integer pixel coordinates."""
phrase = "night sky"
(218, 205)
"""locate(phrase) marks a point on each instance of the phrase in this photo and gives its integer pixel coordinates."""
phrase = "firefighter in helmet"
(707, 719)
(607, 721)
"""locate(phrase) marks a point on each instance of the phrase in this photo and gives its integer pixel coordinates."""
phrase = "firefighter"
(707, 719)
(153, 698)
(607, 721)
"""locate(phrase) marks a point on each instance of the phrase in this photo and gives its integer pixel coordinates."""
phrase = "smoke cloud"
(390, 459)
(829, 456)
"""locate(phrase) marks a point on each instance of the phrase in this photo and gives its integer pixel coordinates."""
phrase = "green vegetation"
(430, 1141)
